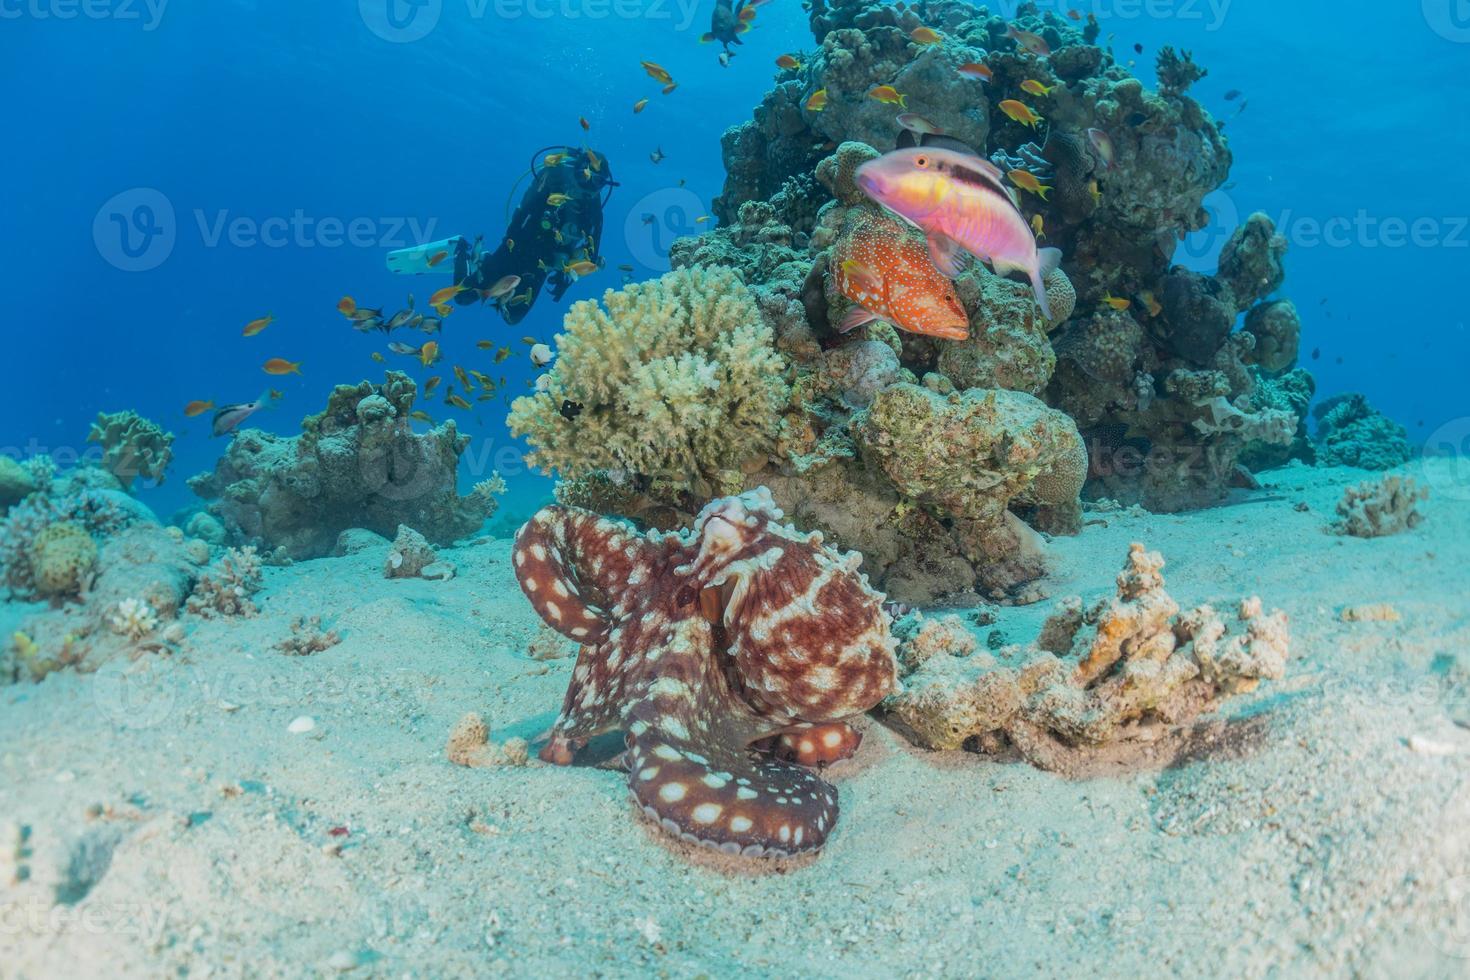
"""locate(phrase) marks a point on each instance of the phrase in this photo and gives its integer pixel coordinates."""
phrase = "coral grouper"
(700, 645)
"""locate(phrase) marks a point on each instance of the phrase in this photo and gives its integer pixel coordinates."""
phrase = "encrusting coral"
(1378, 508)
(226, 587)
(358, 464)
(1102, 681)
(132, 447)
(674, 380)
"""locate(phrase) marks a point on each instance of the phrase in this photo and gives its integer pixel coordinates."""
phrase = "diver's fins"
(416, 261)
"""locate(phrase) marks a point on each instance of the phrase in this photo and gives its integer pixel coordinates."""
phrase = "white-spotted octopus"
(722, 652)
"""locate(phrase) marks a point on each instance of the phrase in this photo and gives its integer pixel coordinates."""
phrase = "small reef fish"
(977, 71)
(554, 159)
(582, 121)
(347, 306)
(1021, 113)
(962, 205)
(818, 101)
(379, 358)
(431, 385)
(485, 344)
(1032, 87)
(1151, 303)
(229, 418)
(1232, 95)
(1038, 227)
(436, 258)
(1027, 181)
(443, 309)
(461, 376)
(557, 199)
(594, 162)
(669, 88)
(883, 267)
(1031, 42)
(657, 156)
(657, 72)
(1116, 302)
(541, 355)
(195, 409)
(430, 324)
(503, 287)
(639, 106)
(916, 123)
(429, 353)
(419, 415)
(1107, 152)
(1095, 191)
(520, 298)
(444, 295)
(580, 268)
(701, 219)
(397, 347)
(256, 326)
(888, 95)
(925, 35)
(788, 62)
(457, 402)
(280, 366)
(501, 355)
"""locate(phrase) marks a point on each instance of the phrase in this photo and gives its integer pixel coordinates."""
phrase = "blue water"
(260, 112)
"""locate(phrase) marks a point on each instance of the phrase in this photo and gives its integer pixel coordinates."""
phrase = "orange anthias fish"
(436, 258)
(925, 35)
(657, 72)
(788, 62)
(1116, 302)
(1021, 113)
(818, 101)
(884, 268)
(256, 326)
(976, 70)
(445, 295)
(280, 366)
(1031, 42)
(194, 409)
(347, 306)
(1032, 87)
(888, 95)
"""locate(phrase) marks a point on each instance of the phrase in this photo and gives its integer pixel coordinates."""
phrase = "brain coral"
(62, 557)
(676, 378)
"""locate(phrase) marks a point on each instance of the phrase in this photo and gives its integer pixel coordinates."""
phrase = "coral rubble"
(1101, 679)
(357, 464)
(1378, 508)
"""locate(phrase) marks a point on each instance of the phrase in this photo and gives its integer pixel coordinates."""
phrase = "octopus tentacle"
(576, 568)
(817, 743)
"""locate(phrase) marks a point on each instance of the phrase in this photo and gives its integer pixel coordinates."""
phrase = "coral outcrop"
(1106, 681)
(1351, 432)
(1378, 508)
(357, 464)
(132, 447)
(16, 483)
(670, 380)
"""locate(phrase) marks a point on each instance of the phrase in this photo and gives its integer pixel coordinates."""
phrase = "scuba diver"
(550, 241)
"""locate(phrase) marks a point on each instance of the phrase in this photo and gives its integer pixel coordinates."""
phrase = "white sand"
(174, 825)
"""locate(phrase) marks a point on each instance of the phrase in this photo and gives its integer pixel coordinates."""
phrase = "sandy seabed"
(163, 818)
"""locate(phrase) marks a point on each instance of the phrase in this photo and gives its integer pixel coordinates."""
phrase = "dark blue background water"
(273, 110)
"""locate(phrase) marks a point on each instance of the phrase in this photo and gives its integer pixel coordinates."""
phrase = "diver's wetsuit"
(542, 239)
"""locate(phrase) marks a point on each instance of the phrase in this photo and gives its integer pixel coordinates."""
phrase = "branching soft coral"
(674, 378)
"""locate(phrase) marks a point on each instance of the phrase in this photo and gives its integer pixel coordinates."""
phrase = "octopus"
(728, 655)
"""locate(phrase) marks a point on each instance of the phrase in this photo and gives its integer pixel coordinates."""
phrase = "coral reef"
(803, 642)
(1102, 681)
(132, 447)
(358, 464)
(1351, 432)
(16, 483)
(226, 587)
(1378, 508)
(674, 379)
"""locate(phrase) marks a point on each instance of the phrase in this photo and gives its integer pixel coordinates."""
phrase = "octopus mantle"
(699, 645)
